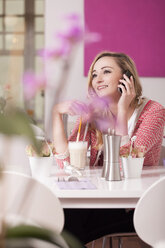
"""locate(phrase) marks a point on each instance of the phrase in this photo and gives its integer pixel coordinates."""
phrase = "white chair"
(160, 244)
(149, 215)
(25, 200)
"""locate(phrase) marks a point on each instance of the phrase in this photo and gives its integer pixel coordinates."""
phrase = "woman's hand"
(128, 92)
(72, 107)
(123, 108)
(96, 111)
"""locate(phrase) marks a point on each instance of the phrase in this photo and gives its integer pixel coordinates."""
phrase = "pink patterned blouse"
(148, 129)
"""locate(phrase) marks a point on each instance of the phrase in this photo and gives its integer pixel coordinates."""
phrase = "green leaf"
(27, 231)
(63, 240)
(71, 240)
(16, 122)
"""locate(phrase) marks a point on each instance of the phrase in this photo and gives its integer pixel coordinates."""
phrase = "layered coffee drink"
(78, 154)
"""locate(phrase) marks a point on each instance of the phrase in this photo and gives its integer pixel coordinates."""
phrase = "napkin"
(83, 184)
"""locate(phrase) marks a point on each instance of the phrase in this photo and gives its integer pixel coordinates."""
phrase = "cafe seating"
(118, 237)
(23, 200)
(149, 217)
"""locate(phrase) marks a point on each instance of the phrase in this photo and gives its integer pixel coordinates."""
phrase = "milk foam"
(78, 145)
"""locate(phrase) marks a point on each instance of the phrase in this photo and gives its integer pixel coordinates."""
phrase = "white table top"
(108, 194)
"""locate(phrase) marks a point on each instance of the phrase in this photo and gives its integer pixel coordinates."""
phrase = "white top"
(135, 116)
(132, 122)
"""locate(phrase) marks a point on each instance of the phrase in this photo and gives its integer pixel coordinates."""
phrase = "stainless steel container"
(113, 168)
(106, 155)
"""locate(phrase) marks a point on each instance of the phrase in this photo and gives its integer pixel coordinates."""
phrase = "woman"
(124, 110)
(129, 114)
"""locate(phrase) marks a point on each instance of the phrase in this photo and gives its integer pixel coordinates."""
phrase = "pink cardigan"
(148, 131)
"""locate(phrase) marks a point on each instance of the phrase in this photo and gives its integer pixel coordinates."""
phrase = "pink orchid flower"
(91, 37)
(32, 84)
(96, 111)
(72, 33)
(100, 113)
(61, 51)
(73, 30)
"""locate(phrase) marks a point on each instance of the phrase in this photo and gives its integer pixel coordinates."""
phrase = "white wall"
(13, 155)
(76, 83)
(153, 88)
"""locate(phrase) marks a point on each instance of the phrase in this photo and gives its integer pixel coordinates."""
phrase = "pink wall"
(133, 27)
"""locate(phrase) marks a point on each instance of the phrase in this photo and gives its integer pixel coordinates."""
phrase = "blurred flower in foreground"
(32, 84)
(66, 41)
(47, 149)
(72, 31)
(96, 111)
(4, 96)
(100, 113)
(71, 34)
(61, 51)
(136, 152)
(90, 37)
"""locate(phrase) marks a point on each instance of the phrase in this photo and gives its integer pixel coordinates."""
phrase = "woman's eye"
(107, 71)
(94, 75)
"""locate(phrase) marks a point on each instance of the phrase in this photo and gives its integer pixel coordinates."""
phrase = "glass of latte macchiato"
(78, 154)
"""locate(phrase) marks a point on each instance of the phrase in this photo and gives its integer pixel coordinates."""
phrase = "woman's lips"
(100, 87)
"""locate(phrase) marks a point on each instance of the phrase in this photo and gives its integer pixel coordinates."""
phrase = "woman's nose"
(99, 78)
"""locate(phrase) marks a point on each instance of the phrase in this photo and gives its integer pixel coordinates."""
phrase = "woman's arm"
(149, 132)
(69, 107)
(149, 128)
(59, 138)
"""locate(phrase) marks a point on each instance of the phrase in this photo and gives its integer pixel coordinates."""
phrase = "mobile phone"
(128, 74)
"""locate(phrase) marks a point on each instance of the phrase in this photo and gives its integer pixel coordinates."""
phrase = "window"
(21, 35)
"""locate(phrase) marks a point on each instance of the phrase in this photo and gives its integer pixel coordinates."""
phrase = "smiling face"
(105, 77)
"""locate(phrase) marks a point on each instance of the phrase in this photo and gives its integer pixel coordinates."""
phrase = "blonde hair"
(125, 63)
